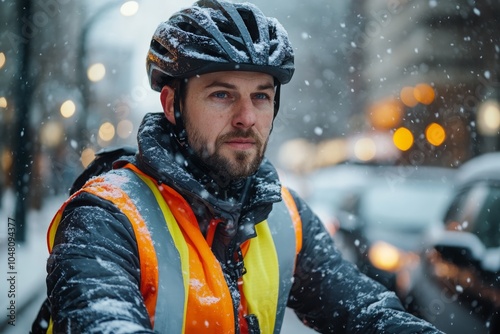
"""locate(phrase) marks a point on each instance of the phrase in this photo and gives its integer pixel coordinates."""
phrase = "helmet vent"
(251, 25)
(217, 35)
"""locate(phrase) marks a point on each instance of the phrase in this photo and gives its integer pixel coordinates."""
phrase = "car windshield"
(406, 206)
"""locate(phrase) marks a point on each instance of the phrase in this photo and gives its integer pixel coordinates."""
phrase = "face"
(228, 118)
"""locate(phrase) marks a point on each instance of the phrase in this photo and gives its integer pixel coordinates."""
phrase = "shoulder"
(103, 162)
(303, 209)
(96, 206)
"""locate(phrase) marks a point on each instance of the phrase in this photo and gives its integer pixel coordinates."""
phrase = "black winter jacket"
(93, 270)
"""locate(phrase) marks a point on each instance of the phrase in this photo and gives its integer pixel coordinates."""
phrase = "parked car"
(378, 214)
(457, 285)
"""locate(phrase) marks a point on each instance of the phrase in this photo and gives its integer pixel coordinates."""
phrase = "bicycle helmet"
(216, 36)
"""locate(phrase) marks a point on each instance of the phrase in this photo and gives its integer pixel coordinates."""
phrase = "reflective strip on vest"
(269, 258)
(167, 241)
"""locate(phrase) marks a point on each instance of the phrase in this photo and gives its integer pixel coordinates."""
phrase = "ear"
(167, 102)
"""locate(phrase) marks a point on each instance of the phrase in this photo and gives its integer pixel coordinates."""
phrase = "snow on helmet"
(216, 36)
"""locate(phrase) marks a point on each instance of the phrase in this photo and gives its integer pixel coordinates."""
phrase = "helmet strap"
(276, 103)
(277, 99)
(180, 128)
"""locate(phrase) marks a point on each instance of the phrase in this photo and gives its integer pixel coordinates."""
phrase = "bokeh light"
(2, 59)
(403, 139)
(124, 128)
(435, 134)
(129, 8)
(424, 93)
(87, 156)
(106, 131)
(386, 114)
(52, 134)
(3, 102)
(6, 160)
(365, 149)
(68, 108)
(384, 256)
(407, 96)
(488, 118)
(96, 72)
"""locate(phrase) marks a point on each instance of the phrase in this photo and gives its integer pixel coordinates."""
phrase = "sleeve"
(331, 295)
(93, 272)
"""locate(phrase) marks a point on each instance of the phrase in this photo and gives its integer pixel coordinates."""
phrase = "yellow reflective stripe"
(177, 237)
(51, 324)
(52, 230)
(51, 233)
(261, 281)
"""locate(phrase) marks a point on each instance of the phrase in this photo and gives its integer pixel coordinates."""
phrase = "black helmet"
(216, 36)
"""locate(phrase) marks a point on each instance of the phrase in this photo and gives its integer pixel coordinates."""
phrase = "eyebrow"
(231, 86)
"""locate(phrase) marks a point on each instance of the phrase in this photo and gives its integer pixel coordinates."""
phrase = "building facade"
(432, 68)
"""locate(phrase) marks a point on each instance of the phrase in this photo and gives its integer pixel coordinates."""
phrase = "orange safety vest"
(182, 282)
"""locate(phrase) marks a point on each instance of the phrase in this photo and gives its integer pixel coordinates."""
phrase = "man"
(194, 233)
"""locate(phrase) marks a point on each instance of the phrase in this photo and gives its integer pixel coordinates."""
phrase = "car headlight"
(385, 256)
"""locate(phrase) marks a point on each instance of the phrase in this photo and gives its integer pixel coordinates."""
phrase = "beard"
(240, 165)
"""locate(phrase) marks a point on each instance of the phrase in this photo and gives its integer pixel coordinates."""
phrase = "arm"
(93, 271)
(332, 296)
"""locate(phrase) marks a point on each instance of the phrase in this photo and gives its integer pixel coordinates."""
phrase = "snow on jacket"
(94, 271)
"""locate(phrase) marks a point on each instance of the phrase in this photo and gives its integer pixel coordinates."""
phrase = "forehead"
(238, 79)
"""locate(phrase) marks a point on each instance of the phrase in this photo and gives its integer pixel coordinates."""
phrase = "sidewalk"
(23, 285)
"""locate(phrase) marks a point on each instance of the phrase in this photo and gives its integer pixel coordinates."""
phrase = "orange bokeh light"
(407, 96)
(424, 93)
(435, 134)
(386, 114)
(403, 139)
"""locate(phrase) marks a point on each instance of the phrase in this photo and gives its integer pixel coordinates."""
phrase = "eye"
(262, 96)
(220, 95)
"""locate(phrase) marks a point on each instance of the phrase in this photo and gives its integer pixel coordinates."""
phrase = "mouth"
(241, 143)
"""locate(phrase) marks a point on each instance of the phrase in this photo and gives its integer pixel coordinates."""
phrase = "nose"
(245, 114)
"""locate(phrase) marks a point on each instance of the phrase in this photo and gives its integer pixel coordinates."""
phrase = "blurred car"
(327, 187)
(457, 285)
(378, 214)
